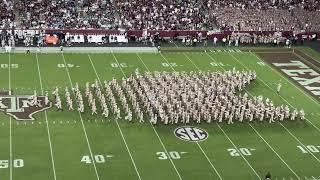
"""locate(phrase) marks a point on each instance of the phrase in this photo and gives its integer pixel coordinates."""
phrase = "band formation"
(177, 97)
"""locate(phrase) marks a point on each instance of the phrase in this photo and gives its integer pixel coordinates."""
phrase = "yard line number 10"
(309, 148)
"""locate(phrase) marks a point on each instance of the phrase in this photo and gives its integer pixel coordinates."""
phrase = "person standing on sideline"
(215, 39)
(279, 88)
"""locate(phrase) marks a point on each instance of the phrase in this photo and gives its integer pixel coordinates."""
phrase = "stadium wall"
(83, 50)
(177, 33)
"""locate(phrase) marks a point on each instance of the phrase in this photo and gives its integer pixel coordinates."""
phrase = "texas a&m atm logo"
(21, 107)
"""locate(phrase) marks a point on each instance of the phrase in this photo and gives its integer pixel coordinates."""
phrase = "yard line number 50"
(17, 163)
(6, 66)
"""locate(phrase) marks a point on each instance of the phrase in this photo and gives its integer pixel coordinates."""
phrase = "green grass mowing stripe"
(91, 75)
(210, 163)
(226, 58)
(5, 123)
(124, 140)
(245, 59)
(311, 53)
(139, 136)
(10, 128)
(263, 138)
(291, 91)
(307, 61)
(24, 74)
(160, 140)
(23, 150)
(47, 122)
(230, 140)
(229, 165)
(299, 100)
(282, 77)
(165, 67)
(83, 126)
(69, 144)
(294, 136)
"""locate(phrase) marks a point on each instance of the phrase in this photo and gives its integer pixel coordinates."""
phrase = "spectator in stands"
(6, 14)
(251, 15)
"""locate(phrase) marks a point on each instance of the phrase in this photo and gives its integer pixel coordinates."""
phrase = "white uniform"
(279, 88)
(58, 103)
(70, 103)
(105, 112)
(35, 98)
(302, 114)
(46, 99)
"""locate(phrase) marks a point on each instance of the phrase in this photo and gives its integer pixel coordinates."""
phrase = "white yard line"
(175, 44)
(275, 152)
(250, 124)
(83, 127)
(316, 127)
(317, 103)
(296, 54)
(10, 129)
(257, 132)
(222, 132)
(218, 124)
(119, 128)
(47, 123)
(269, 52)
(311, 56)
(287, 103)
(208, 159)
(163, 146)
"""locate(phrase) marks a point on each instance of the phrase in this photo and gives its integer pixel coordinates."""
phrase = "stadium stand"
(162, 15)
(27, 22)
(6, 14)
(66, 14)
(267, 15)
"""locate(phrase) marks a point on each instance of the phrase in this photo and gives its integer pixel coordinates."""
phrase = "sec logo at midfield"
(192, 134)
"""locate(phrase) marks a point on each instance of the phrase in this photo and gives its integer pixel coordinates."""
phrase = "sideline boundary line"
(293, 84)
(286, 102)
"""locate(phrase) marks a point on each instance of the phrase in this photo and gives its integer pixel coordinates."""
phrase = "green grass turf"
(311, 53)
(134, 145)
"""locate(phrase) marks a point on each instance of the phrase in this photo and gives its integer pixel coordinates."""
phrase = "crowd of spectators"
(244, 15)
(6, 14)
(267, 15)
(163, 14)
(66, 14)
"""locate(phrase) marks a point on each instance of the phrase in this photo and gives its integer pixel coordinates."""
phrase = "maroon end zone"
(298, 68)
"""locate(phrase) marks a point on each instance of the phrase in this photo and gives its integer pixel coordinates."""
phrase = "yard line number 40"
(97, 158)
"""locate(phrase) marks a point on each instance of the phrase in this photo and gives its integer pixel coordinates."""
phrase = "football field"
(65, 145)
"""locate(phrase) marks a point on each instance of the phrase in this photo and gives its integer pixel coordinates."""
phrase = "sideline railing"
(163, 33)
(83, 50)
